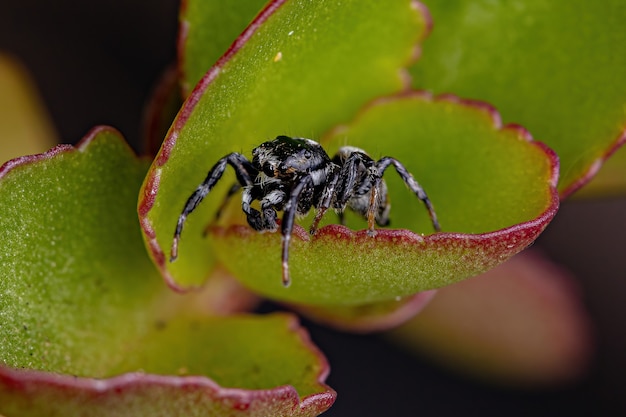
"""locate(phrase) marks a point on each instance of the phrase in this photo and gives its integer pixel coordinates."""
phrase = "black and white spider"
(296, 174)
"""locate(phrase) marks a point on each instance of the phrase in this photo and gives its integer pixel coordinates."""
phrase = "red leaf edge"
(30, 381)
(60, 149)
(263, 15)
(595, 166)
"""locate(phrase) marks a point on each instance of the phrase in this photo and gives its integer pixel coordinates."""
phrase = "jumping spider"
(295, 174)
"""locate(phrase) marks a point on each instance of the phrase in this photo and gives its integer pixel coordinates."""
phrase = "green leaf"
(241, 352)
(365, 318)
(68, 228)
(88, 326)
(555, 67)
(299, 69)
(492, 188)
(207, 29)
(610, 179)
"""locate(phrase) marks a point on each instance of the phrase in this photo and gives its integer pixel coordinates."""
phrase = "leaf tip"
(595, 166)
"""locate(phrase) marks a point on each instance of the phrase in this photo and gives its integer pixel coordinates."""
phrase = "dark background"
(96, 62)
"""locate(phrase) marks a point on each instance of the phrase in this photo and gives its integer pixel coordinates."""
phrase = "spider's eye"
(269, 170)
(307, 154)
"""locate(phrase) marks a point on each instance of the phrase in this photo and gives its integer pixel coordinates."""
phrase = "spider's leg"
(371, 210)
(253, 216)
(325, 200)
(368, 206)
(269, 201)
(413, 185)
(354, 187)
(231, 191)
(289, 216)
(348, 178)
(243, 170)
(319, 213)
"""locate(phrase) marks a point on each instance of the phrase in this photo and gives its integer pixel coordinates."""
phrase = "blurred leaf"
(610, 179)
(522, 323)
(24, 121)
(163, 105)
(79, 296)
(365, 318)
(555, 67)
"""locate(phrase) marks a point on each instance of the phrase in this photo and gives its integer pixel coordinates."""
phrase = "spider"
(295, 175)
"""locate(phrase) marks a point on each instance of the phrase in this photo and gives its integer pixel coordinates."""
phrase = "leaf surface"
(207, 29)
(88, 326)
(557, 68)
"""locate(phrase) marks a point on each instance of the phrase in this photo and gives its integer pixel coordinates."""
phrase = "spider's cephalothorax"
(295, 175)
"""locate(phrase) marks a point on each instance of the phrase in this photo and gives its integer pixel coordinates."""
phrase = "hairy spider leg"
(371, 183)
(348, 175)
(325, 200)
(243, 168)
(413, 185)
(372, 208)
(290, 209)
(268, 202)
(252, 215)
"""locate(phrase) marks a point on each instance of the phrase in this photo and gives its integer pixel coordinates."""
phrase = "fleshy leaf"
(493, 189)
(240, 351)
(610, 179)
(162, 107)
(207, 29)
(299, 69)
(557, 68)
(366, 318)
(522, 323)
(89, 328)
